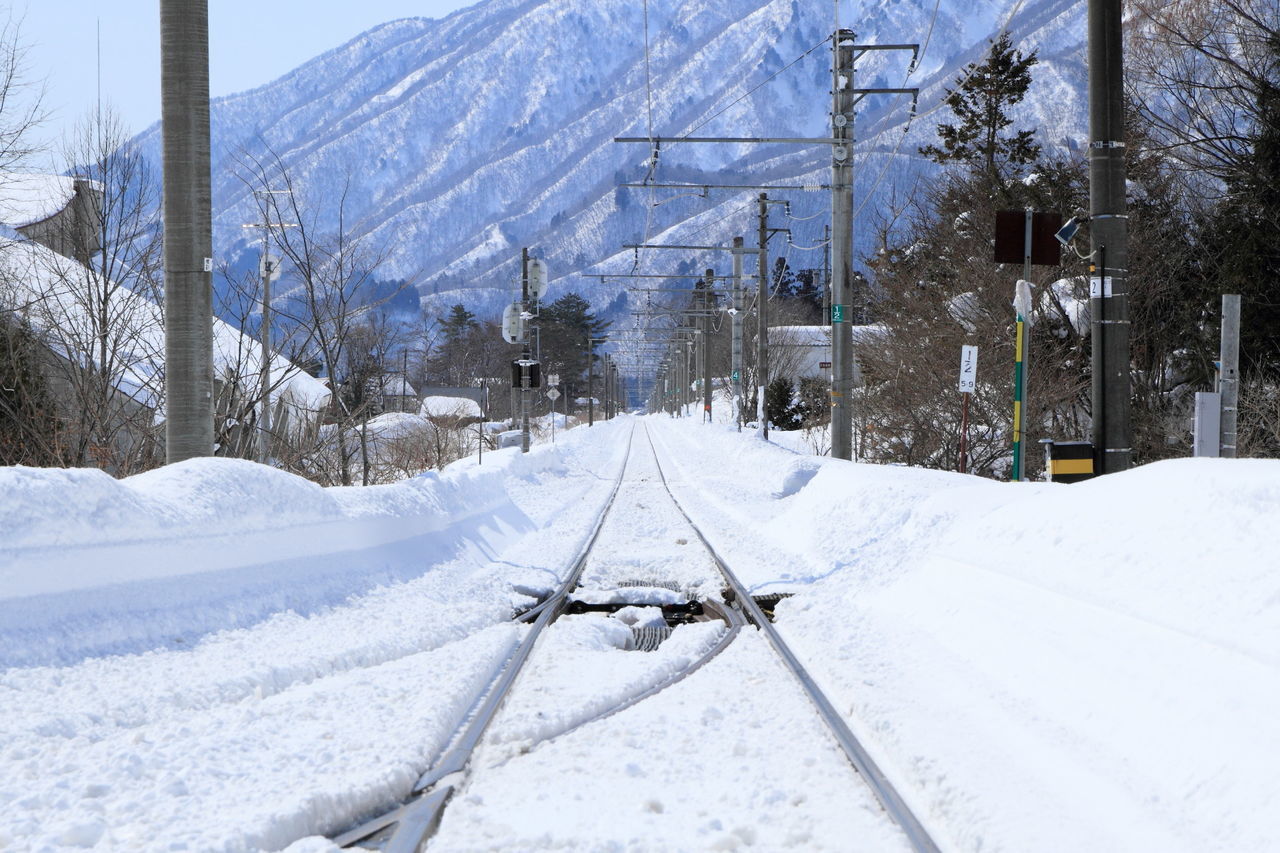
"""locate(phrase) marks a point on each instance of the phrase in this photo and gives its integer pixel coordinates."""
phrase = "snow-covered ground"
(221, 656)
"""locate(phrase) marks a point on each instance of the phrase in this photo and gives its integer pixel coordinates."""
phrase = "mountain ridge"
(469, 136)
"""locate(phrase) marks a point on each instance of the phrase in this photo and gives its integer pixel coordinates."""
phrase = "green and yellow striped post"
(1019, 374)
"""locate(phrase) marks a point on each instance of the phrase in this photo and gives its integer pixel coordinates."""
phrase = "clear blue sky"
(250, 42)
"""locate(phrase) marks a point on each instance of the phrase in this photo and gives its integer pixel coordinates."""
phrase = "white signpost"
(968, 369)
(968, 383)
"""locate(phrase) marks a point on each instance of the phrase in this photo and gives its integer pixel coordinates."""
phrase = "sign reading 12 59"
(968, 368)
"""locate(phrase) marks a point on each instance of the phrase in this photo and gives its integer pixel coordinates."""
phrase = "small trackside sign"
(968, 368)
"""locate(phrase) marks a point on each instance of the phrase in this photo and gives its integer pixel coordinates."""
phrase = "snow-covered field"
(221, 656)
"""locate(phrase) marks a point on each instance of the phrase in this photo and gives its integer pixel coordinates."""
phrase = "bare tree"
(21, 97)
(93, 305)
(329, 301)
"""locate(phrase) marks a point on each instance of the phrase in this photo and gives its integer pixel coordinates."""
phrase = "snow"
(27, 198)
(450, 407)
(60, 298)
(222, 656)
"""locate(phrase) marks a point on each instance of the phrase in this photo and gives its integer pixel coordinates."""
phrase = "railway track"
(603, 583)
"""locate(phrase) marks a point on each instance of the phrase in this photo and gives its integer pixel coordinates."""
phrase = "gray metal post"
(591, 379)
(188, 231)
(1207, 426)
(1229, 373)
(735, 353)
(706, 346)
(1109, 237)
(264, 431)
(762, 317)
(842, 115)
(524, 355)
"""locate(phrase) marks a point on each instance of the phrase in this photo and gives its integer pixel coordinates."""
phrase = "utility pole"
(706, 346)
(1229, 373)
(1109, 237)
(735, 354)
(269, 269)
(188, 232)
(591, 379)
(762, 315)
(525, 355)
(842, 116)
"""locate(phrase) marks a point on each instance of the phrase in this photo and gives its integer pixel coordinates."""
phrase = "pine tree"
(565, 326)
(981, 102)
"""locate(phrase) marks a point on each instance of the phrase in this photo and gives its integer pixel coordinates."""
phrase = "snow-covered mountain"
(461, 140)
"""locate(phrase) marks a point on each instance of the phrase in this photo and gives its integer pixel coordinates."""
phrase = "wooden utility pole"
(188, 229)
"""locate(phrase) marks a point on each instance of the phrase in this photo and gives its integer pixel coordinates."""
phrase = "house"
(102, 342)
(804, 352)
(58, 212)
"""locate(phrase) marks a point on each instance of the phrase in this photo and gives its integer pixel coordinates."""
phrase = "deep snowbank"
(91, 565)
(1054, 667)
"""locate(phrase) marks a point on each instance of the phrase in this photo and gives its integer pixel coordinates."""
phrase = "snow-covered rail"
(885, 792)
(607, 589)
(408, 826)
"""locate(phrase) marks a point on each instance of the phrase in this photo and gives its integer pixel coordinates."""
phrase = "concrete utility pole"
(1229, 373)
(1109, 237)
(762, 316)
(706, 345)
(269, 270)
(188, 231)
(525, 354)
(735, 352)
(591, 380)
(842, 116)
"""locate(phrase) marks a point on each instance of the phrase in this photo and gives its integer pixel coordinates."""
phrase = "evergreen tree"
(981, 102)
(457, 322)
(780, 406)
(565, 326)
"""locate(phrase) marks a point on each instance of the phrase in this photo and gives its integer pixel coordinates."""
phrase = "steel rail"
(733, 619)
(417, 820)
(895, 807)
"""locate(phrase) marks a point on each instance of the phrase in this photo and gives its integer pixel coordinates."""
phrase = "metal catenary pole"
(1229, 375)
(264, 434)
(525, 354)
(188, 232)
(762, 316)
(1109, 236)
(591, 378)
(706, 347)
(735, 354)
(842, 245)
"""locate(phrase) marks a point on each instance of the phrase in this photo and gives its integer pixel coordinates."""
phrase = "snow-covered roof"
(56, 295)
(28, 198)
(800, 336)
(450, 407)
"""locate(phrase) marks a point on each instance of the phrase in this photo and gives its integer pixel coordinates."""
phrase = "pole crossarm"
(673, 290)
(730, 249)
(805, 187)
(643, 275)
(746, 140)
